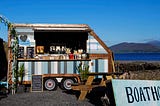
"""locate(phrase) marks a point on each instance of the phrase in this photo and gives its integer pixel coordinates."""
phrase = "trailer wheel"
(50, 84)
(66, 83)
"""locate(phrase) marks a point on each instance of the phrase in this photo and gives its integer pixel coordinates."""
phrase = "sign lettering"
(136, 92)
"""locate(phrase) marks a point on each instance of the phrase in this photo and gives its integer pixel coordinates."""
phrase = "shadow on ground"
(3, 96)
(99, 96)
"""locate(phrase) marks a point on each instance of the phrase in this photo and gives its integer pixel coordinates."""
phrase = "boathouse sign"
(37, 83)
(136, 92)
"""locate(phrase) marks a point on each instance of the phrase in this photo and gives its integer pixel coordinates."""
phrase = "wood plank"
(63, 75)
(84, 92)
(34, 59)
(89, 80)
(100, 42)
(83, 87)
(60, 75)
(26, 82)
(53, 25)
(103, 82)
(9, 73)
(98, 56)
(105, 73)
(109, 77)
(82, 95)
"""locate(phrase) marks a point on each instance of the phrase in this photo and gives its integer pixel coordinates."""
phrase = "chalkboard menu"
(37, 83)
(30, 52)
(21, 52)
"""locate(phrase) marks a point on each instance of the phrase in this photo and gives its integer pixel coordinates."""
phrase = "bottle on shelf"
(84, 55)
(80, 51)
(75, 54)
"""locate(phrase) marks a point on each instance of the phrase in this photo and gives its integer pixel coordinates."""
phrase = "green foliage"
(83, 70)
(14, 46)
(4, 20)
(21, 72)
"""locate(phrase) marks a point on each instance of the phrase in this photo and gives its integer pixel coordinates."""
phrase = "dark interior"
(73, 40)
(3, 62)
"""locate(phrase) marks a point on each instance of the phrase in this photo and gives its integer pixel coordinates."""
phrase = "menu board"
(21, 52)
(37, 83)
(30, 52)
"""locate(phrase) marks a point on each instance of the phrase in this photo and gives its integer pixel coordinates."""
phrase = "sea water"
(137, 56)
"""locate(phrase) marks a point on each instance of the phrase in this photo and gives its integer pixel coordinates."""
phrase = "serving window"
(58, 42)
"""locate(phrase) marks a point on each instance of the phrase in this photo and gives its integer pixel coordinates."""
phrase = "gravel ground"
(46, 98)
(145, 75)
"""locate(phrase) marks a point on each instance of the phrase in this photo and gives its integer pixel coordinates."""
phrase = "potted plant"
(83, 70)
(21, 73)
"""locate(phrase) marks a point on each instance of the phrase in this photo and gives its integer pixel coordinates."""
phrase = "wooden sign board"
(37, 83)
(21, 52)
(136, 92)
(30, 52)
(40, 49)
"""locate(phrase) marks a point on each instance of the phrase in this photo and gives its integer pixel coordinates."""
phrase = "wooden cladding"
(98, 56)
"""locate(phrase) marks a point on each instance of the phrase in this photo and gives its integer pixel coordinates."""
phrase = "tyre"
(50, 84)
(66, 83)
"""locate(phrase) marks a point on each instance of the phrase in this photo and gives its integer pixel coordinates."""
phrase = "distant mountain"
(126, 47)
(154, 43)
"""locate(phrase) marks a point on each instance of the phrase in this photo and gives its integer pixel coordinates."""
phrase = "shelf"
(54, 60)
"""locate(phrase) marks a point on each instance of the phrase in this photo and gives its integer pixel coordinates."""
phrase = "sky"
(114, 21)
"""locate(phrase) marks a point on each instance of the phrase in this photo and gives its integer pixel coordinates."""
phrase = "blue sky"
(114, 21)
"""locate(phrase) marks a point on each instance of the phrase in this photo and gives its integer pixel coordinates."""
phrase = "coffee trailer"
(55, 50)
